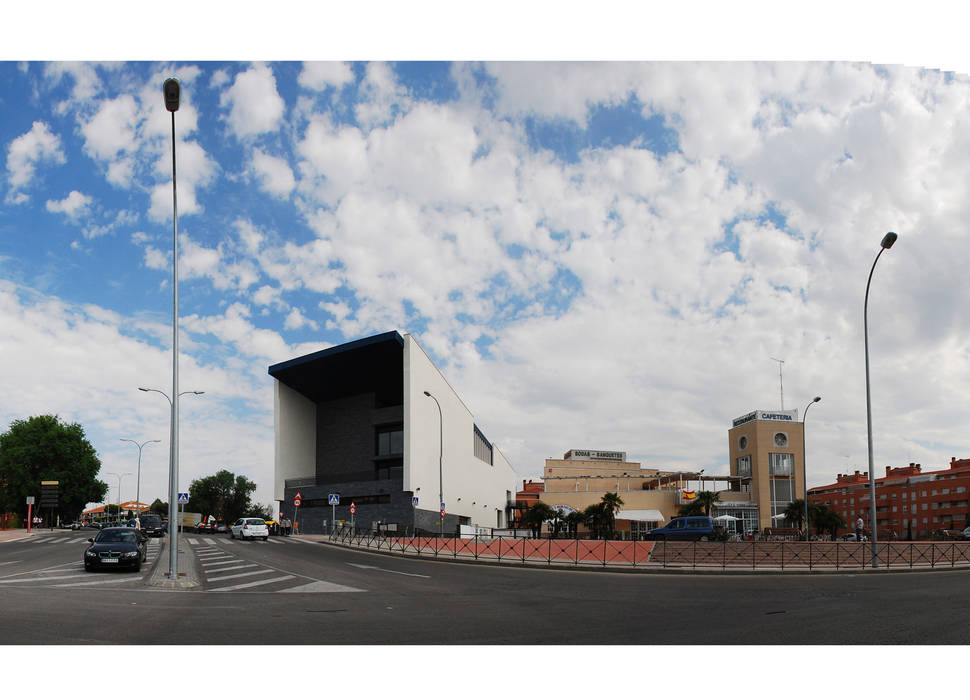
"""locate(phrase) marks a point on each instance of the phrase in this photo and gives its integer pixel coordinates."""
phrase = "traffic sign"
(30, 500)
(333, 499)
(414, 501)
(442, 511)
(297, 500)
(183, 498)
(353, 508)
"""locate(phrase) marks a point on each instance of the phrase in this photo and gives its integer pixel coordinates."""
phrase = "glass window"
(781, 464)
(390, 441)
(744, 466)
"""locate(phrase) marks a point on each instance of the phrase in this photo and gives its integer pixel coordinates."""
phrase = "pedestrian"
(858, 529)
(286, 526)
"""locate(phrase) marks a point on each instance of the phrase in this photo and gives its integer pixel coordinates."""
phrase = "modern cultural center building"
(376, 422)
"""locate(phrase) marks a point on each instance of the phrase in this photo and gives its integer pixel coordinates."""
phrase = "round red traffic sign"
(353, 508)
(442, 512)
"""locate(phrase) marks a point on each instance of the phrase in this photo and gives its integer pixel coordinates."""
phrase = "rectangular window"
(482, 447)
(781, 464)
(390, 441)
(744, 466)
(783, 491)
(904, 495)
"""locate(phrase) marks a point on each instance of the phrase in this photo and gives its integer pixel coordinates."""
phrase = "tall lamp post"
(441, 446)
(885, 244)
(120, 477)
(138, 479)
(172, 485)
(172, 91)
(805, 464)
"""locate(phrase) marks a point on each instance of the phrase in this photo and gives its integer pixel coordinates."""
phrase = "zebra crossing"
(226, 570)
(73, 575)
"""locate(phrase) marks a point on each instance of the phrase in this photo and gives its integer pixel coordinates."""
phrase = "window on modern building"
(390, 441)
(744, 465)
(781, 464)
(482, 447)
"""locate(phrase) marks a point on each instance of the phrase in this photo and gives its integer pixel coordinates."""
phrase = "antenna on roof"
(781, 384)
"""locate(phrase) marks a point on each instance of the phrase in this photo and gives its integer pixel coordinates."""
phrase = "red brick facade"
(909, 502)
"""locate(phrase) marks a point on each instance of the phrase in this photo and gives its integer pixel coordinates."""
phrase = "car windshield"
(116, 536)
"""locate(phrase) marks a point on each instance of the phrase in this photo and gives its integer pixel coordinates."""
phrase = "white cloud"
(296, 320)
(274, 174)
(255, 106)
(318, 75)
(36, 146)
(75, 206)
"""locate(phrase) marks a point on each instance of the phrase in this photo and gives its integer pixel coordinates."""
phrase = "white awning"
(654, 516)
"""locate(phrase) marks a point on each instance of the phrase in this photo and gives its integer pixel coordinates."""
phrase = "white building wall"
(482, 487)
(295, 436)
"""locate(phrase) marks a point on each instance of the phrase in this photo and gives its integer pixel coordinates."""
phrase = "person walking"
(858, 529)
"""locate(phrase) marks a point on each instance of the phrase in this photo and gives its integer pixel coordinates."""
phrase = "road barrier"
(733, 556)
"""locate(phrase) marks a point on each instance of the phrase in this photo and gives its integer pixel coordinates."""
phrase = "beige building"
(581, 478)
(768, 460)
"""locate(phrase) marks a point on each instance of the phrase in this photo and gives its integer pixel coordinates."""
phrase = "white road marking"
(322, 587)
(389, 571)
(253, 584)
(210, 557)
(248, 573)
(192, 540)
(136, 577)
(9, 562)
(230, 568)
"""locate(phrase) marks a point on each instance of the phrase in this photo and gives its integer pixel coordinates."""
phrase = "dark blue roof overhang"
(374, 364)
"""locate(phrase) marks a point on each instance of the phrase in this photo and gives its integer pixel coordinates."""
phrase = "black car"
(152, 525)
(116, 547)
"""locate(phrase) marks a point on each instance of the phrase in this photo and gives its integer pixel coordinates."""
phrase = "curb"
(188, 573)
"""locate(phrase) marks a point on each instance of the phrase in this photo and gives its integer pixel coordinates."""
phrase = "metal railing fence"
(775, 556)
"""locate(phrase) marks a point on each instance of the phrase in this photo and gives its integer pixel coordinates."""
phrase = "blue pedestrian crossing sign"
(183, 498)
(414, 501)
(333, 499)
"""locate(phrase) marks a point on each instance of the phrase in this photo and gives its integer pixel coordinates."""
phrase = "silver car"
(249, 528)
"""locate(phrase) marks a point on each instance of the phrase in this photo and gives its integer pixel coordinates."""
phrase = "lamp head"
(427, 393)
(141, 388)
(816, 399)
(888, 240)
(173, 91)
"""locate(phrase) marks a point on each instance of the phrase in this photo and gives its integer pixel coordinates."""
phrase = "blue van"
(693, 527)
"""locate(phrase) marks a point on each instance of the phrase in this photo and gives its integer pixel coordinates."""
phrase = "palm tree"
(795, 512)
(537, 514)
(594, 518)
(611, 503)
(707, 499)
(573, 521)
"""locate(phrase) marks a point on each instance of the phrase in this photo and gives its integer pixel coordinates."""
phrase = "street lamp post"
(805, 464)
(120, 477)
(885, 244)
(441, 445)
(172, 91)
(172, 485)
(138, 479)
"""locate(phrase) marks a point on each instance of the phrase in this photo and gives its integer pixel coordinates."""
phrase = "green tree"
(159, 506)
(42, 448)
(795, 512)
(224, 495)
(573, 520)
(694, 507)
(707, 499)
(826, 520)
(610, 503)
(537, 514)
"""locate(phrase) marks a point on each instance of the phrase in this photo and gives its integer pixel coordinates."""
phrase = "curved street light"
(885, 244)
(138, 481)
(805, 464)
(441, 445)
(120, 477)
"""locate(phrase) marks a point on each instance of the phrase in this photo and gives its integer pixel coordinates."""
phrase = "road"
(290, 591)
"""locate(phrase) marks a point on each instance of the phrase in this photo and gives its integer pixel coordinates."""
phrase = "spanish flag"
(688, 495)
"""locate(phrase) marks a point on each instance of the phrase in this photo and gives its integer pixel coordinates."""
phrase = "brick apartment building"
(909, 502)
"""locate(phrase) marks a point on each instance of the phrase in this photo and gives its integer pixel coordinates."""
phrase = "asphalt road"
(296, 592)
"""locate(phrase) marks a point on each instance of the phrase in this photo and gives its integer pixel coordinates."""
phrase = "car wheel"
(232, 535)
(138, 565)
(87, 567)
(265, 538)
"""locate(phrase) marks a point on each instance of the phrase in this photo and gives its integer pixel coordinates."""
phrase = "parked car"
(850, 537)
(692, 527)
(204, 527)
(221, 527)
(151, 525)
(249, 528)
(76, 525)
(116, 547)
(965, 534)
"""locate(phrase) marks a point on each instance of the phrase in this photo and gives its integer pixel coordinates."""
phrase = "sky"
(596, 254)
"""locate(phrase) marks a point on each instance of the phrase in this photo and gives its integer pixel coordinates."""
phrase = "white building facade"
(354, 420)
